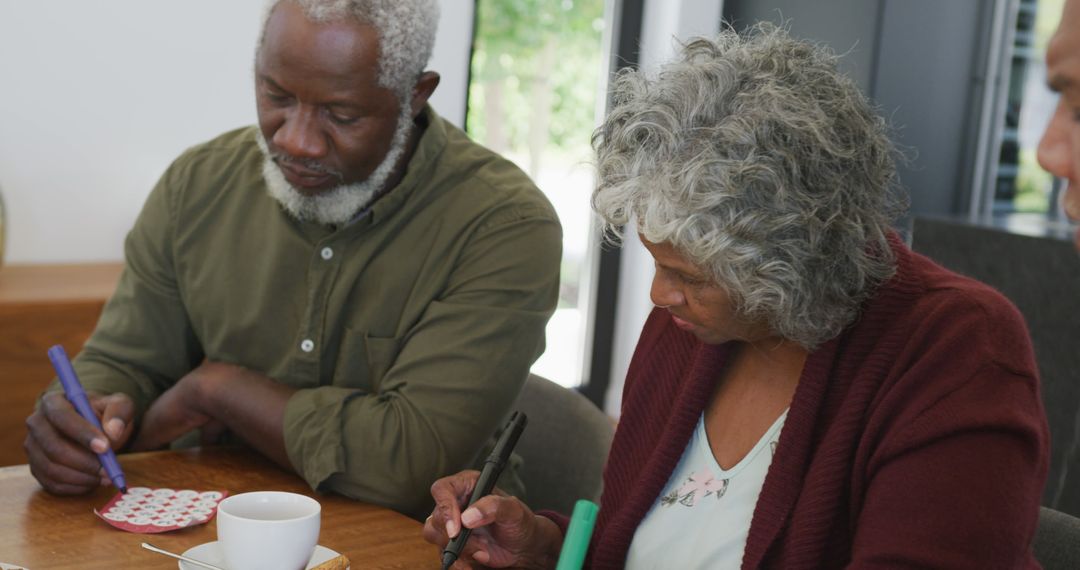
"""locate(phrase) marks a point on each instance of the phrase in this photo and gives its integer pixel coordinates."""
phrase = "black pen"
(493, 466)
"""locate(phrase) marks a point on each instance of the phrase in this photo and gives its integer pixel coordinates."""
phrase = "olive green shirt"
(408, 332)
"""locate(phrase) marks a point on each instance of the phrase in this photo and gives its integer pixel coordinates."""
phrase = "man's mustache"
(307, 164)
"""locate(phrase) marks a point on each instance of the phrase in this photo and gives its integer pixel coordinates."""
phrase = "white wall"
(97, 98)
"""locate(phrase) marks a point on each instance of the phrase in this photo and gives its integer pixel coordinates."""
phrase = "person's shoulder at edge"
(238, 140)
(220, 156)
(200, 171)
(987, 318)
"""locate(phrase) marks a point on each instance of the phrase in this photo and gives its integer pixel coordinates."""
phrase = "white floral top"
(702, 517)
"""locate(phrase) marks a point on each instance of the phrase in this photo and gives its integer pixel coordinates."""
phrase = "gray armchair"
(1057, 541)
(564, 446)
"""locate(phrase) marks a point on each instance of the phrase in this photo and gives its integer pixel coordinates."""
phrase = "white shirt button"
(307, 345)
(326, 253)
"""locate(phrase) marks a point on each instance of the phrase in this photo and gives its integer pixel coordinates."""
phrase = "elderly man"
(353, 288)
(1059, 150)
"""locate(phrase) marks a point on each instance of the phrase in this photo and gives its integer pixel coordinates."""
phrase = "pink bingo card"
(146, 511)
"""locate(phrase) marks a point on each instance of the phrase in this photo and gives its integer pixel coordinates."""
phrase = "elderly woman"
(808, 392)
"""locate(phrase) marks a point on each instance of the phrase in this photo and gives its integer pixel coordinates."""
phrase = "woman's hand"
(505, 532)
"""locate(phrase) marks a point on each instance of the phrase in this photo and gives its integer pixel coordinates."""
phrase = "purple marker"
(77, 396)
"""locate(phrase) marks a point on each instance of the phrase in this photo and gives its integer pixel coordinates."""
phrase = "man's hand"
(61, 446)
(506, 533)
(215, 397)
(183, 408)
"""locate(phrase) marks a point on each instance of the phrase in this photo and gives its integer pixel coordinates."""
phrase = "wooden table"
(42, 305)
(40, 531)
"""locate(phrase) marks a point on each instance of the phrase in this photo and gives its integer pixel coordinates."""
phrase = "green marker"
(576, 543)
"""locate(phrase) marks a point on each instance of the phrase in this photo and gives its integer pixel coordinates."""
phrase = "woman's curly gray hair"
(406, 33)
(754, 157)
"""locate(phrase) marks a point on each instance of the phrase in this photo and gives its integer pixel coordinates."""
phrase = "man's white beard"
(337, 205)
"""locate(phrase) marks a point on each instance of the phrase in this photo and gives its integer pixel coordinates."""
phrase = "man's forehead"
(343, 50)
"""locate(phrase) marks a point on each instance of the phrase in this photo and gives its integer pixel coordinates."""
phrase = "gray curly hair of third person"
(764, 165)
(406, 33)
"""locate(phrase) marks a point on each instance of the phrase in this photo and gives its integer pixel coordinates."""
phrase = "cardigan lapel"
(671, 402)
(783, 481)
(815, 396)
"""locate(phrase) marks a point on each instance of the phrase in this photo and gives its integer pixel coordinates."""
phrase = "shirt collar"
(417, 171)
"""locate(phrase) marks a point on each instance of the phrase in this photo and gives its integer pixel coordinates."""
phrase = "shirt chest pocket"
(364, 360)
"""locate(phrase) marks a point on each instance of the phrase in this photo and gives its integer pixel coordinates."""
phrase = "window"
(1022, 190)
(537, 81)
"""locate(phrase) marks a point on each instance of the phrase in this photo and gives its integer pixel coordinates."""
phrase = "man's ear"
(422, 91)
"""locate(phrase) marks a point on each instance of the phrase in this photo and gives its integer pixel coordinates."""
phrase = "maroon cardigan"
(915, 438)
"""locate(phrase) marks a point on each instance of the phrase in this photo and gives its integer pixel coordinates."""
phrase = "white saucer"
(211, 554)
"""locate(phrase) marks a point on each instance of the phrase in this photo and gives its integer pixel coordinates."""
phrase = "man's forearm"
(250, 405)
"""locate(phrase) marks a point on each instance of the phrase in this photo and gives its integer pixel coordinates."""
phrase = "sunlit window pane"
(536, 69)
(1022, 186)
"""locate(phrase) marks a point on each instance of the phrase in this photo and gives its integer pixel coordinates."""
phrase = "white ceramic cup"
(268, 530)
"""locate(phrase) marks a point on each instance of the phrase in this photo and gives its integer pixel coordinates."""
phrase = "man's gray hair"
(406, 33)
(756, 159)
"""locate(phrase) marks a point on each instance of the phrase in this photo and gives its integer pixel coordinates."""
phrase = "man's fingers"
(211, 432)
(58, 472)
(61, 445)
(115, 428)
(44, 443)
(68, 423)
(117, 411)
(64, 488)
(57, 478)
